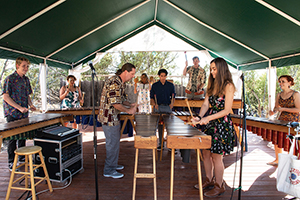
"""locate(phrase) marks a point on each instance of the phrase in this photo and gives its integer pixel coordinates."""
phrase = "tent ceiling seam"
(120, 38)
(155, 12)
(272, 59)
(31, 18)
(283, 14)
(99, 27)
(195, 42)
(215, 30)
(32, 55)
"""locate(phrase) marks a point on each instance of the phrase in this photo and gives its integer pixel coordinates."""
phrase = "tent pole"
(271, 86)
(43, 84)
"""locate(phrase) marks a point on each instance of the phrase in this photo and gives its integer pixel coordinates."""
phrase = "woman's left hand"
(32, 107)
(279, 109)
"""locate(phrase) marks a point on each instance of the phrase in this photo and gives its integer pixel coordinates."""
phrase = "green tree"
(256, 86)
(256, 92)
(149, 62)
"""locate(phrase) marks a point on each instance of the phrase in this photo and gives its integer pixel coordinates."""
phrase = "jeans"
(112, 145)
(161, 109)
(12, 144)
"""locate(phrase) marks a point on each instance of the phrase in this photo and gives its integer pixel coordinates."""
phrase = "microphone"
(91, 66)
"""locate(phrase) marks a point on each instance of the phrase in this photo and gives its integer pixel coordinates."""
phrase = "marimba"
(31, 124)
(197, 103)
(183, 136)
(145, 138)
(274, 131)
(89, 111)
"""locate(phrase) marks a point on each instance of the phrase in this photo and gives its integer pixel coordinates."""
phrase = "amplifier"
(56, 132)
(60, 155)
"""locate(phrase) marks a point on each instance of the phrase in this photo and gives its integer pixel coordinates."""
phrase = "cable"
(55, 188)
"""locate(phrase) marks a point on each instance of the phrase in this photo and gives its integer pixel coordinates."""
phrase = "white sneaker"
(115, 174)
(120, 167)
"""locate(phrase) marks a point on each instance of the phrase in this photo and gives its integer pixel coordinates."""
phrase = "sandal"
(272, 163)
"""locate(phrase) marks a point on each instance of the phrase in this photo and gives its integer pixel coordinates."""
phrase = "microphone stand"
(95, 134)
(243, 134)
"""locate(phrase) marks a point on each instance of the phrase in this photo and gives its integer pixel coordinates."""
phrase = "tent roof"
(69, 32)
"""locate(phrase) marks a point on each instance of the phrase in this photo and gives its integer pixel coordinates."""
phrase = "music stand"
(243, 134)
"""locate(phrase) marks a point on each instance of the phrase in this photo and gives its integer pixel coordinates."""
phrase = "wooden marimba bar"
(31, 123)
(183, 115)
(145, 138)
(76, 111)
(274, 131)
(183, 136)
(197, 103)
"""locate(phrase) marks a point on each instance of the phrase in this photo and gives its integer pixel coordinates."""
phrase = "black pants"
(12, 144)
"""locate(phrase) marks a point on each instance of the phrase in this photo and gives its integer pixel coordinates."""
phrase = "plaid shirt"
(18, 88)
(113, 93)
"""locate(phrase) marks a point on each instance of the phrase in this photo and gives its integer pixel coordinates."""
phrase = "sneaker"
(175, 152)
(120, 167)
(10, 166)
(115, 174)
(159, 148)
(22, 159)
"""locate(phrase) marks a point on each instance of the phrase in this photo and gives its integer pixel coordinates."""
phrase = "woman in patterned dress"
(143, 89)
(287, 105)
(70, 95)
(220, 92)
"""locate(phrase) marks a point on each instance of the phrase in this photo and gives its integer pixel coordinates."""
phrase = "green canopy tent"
(249, 34)
(66, 33)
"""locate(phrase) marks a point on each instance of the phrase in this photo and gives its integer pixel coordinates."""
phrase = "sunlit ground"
(249, 176)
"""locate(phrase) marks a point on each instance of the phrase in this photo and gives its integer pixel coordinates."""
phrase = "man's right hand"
(132, 110)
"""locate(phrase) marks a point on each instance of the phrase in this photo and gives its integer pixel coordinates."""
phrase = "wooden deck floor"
(259, 179)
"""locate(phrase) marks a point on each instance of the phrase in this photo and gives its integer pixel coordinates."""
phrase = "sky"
(156, 39)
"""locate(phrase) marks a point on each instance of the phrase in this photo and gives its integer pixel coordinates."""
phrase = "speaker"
(60, 155)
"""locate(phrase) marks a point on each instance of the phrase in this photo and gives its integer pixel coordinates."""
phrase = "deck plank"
(259, 179)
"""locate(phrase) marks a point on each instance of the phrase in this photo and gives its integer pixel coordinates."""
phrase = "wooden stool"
(144, 143)
(28, 152)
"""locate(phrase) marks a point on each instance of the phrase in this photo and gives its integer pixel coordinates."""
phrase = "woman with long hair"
(287, 105)
(219, 96)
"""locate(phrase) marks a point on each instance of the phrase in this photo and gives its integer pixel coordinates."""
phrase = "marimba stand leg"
(199, 174)
(144, 175)
(123, 126)
(154, 172)
(135, 172)
(198, 169)
(172, 173)
(162, 141)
